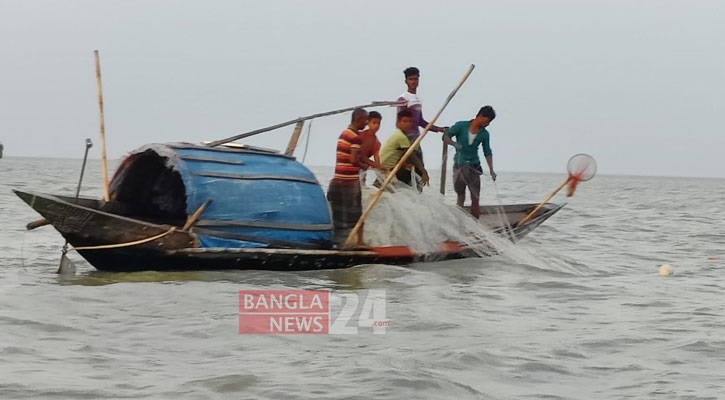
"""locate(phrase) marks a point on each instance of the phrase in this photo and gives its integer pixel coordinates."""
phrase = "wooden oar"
(350, 238)
(104, 168)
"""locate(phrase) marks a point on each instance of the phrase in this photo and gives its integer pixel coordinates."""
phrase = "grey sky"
(640, 85)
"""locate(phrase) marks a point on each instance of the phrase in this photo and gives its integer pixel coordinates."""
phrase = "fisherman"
(396, 145)
(370, 146)
(467, 169)
(413, 103)
(344, 193)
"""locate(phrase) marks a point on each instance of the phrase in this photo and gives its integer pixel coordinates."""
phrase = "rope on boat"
(127, 244)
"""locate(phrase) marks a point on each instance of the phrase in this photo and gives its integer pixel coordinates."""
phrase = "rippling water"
(575, 311)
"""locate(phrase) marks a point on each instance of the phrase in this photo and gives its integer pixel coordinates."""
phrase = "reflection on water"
(350, 279)
(99, 278)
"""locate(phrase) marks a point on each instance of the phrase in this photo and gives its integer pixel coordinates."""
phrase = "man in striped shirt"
(344, 192)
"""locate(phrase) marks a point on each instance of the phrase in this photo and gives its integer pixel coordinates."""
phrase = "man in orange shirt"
(370, 146)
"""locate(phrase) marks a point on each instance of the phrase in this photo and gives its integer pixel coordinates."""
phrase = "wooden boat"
(182, 206)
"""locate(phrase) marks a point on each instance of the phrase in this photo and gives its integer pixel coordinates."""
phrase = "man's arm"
(404, 144)
(418, 164)
(489, 161)
(447, 140)
(355, 158)
(423, 123)
(486, 144)
(366, 148)
(376, 158)
(447, 137)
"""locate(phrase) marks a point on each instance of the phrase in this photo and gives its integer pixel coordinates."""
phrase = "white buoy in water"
(666, 270)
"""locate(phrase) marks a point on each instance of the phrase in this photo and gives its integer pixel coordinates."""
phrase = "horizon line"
(633, 175)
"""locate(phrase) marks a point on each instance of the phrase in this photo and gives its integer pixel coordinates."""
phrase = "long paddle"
(66, 266)
(350, 238)
(581, 168)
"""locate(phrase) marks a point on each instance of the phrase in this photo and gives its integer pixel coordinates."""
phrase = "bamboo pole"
(529, 215)
(37, 224)
(301, 119)
(307, 142)
(191, 220)
(411, 149)
(294, 139)
(104, 167)
(444, 167)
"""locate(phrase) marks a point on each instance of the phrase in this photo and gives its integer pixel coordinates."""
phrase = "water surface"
(576, 310)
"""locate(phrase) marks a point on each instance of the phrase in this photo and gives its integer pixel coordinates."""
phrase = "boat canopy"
(256, 197)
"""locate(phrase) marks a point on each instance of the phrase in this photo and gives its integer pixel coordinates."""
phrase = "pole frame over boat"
(300, 119)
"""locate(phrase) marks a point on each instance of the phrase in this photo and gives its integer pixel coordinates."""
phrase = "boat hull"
(130, 260)
(112, 242)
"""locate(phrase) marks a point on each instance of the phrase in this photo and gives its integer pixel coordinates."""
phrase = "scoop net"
(581, 168)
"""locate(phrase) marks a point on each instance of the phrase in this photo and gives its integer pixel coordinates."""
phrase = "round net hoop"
(581, 167)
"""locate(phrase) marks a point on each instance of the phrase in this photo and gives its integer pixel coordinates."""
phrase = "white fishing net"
(422, 221)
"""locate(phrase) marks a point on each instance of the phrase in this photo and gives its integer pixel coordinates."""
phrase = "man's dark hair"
(487, 111)
(405, 113)
(375, 114)
(411, 71)
(356, 112)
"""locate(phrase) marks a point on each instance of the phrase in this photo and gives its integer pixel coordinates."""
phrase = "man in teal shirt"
(467, 169)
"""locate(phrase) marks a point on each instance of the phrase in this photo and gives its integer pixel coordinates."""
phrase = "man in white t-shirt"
(413, 103)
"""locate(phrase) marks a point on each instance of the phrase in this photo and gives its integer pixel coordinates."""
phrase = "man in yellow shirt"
(396, 145)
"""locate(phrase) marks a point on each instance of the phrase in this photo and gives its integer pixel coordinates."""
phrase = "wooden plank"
(292, 145)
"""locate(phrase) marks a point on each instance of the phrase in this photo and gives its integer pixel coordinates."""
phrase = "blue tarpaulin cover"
(258, 198)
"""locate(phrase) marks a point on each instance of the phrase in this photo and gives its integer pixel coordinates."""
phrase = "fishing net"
(421, 221)
(581, 168)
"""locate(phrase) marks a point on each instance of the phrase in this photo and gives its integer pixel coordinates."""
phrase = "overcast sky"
(639, 85)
